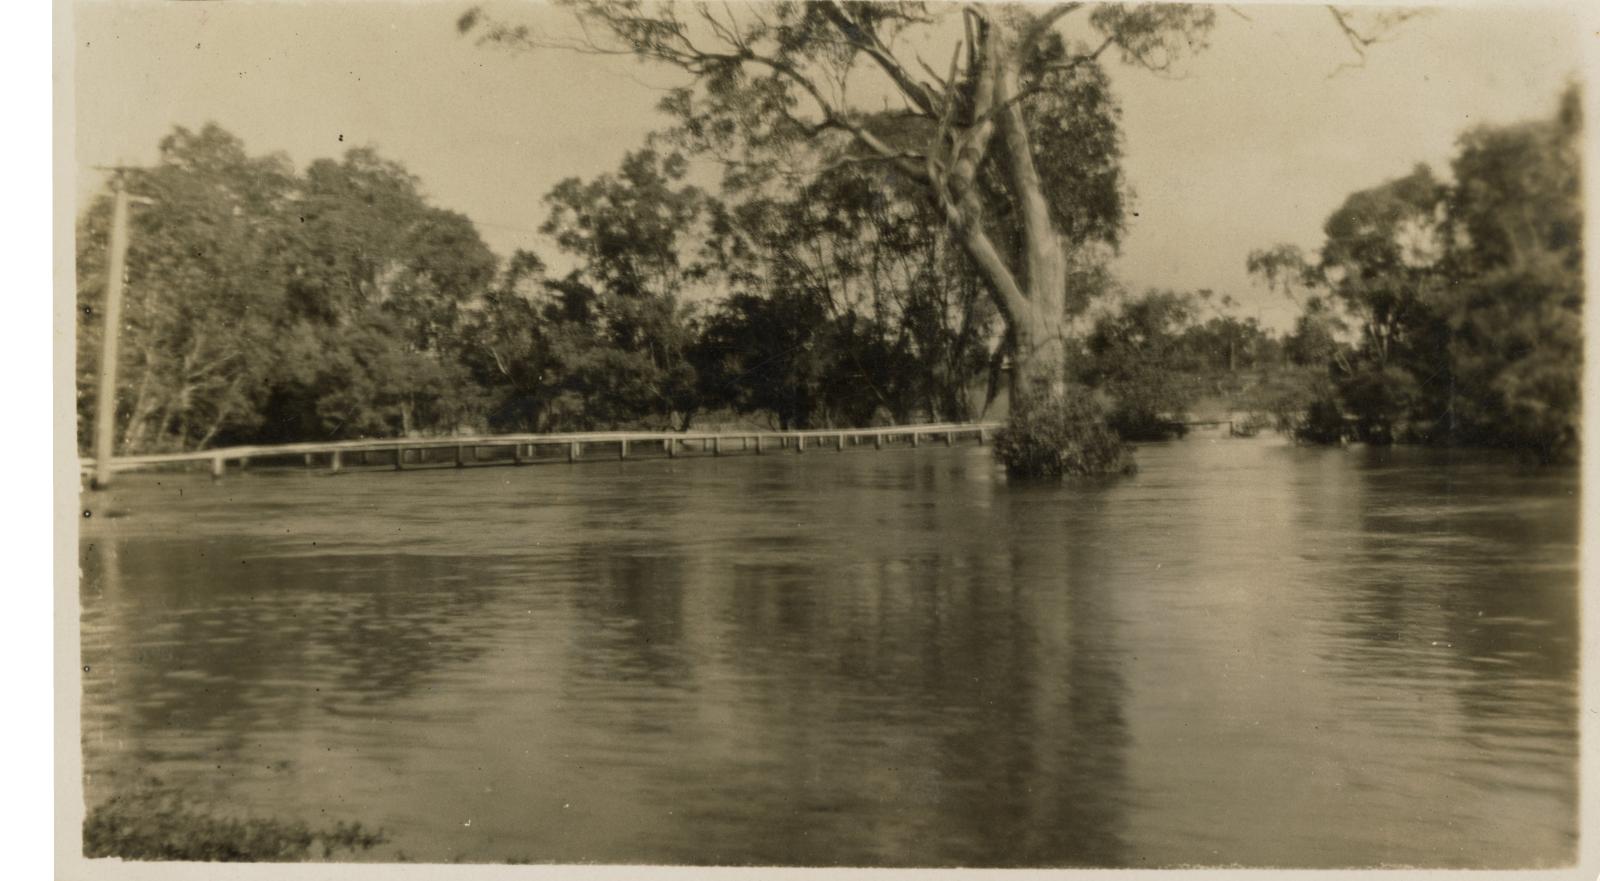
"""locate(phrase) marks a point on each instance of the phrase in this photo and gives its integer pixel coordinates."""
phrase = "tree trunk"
(1039, 365)
(1031, 296)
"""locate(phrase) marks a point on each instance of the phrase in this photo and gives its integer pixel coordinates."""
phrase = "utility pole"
(105, 419)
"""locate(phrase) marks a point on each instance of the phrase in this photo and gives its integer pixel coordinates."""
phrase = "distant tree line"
(1155, 355)
(1450, 312)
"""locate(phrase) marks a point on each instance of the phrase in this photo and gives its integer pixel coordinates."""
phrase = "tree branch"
(866, 40)
(1041, 24)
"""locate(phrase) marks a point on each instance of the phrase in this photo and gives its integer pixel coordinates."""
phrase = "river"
(1249, 653)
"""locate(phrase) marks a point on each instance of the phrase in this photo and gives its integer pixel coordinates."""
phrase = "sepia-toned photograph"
(880, 435)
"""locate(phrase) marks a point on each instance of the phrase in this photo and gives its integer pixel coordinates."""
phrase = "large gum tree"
(953, 98)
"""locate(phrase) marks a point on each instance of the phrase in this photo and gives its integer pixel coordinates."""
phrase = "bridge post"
(839, 442)
(980, 437)
(218, 465)
(516, 454)
(758, 444)
(671, 446)
(949, 438)
(574, 450)
(399, 458)
(799, 443)
(915, 438)
(716, 445)
(335, 463)
(877, 441)
(461, 456)
(622, 449)
(308, 460)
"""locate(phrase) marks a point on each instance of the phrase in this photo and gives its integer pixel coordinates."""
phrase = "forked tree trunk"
(1030, 294)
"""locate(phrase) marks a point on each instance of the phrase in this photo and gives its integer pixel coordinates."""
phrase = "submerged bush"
(153, 823)
(1321, 423)
(1055, 435)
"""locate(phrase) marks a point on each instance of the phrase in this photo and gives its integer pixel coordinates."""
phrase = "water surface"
(1249, 653)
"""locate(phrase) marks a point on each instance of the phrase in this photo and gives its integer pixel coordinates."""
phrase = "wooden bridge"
(520, 449)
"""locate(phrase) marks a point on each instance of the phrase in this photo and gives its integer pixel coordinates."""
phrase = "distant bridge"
(519, 449)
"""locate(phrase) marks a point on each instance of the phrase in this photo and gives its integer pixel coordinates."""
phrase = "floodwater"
(1248, 654)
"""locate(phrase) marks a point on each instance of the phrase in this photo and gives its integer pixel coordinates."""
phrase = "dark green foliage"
(1313, 341)
(1515, 349)
(853, 307)
(1060, 434)
(1320, 419)
(1138, 357)
(264, 305)
(205, 295)
(1466, 297)
(619, 337)
(154, 823)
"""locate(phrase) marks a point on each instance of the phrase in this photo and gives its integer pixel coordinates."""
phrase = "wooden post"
(574, 450)
(949, 438)
(622, 449)
(877, 441)
(799, 443)
(308, 460)
(105, 422)
(980, 437)
(516, 454)
(914, 438)
(839, 443)
(758, 444)
(671, 446)
(335, 464)
(461, 456)
(218, 464)
(744, 443)
(399, 458)
(716, 445)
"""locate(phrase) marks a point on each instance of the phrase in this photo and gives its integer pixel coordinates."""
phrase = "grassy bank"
(154, 822)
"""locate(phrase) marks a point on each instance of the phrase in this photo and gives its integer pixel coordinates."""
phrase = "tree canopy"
(1466, 295)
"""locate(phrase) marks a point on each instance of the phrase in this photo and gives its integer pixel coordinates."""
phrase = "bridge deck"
(468, 449)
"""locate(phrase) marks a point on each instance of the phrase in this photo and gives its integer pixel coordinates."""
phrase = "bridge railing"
(336, 455)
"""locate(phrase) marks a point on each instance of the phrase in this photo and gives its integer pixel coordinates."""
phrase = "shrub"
(1053, 435)
(1322, 423)
(1149, 405)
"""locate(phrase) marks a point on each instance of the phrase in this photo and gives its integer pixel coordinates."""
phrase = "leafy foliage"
(1052, 435)
(266, 305)
(1135, 355)
(1466, 295)
(857, 309)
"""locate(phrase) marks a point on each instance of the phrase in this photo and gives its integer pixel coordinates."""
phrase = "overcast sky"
(1256, 143)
